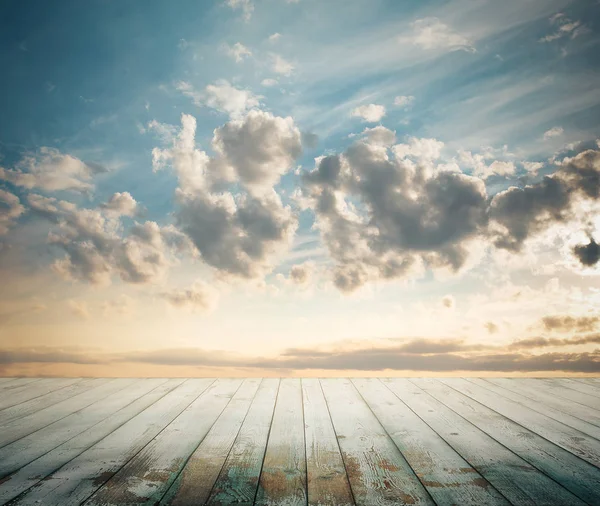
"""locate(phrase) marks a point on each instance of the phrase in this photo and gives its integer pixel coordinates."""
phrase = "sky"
(300, 188)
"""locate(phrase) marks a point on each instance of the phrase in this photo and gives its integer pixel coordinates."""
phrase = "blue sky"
(114, 224)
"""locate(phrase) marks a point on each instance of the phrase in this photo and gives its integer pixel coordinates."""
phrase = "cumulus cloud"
(280, 65)
(301, 274)
(223, 97)
(403, 100)
(588, 254)
(553, 132)
(199, 297)
(236, 234)
(370, 113)
(121, 204)
(10, 210)
(50, 170)
(481, 168)
(238, 52)
(385, 217)
(448, 301)
(567, 323)
(246, 6)
(431, 33)
(380, 136)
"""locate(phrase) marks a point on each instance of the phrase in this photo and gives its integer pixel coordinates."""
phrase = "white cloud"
(380, 136)
(223, 97)
(553, 132)
(281, 65)
(121, 204)
(269, 82)
(79, 308)
(238, 52)
(199, 297)
(274, 37)
(566, 28)
(50, 170)
(431, 33)
(403, 100)
(10, 210)
(246, 6)
(371, 113)
(532, 167)
(420, 148)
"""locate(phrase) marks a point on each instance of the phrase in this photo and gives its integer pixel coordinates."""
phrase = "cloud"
(121, 204)
(49, 170)
(380, 136)
(491, 327)
(238, 52)
(553, 132)
(570, 323)
(481, 168)
(281, 65)
(274, 37)
(79, 308)
(403, 100)
(544, 342)
(566, 28)
(588, 254)
(269, 82)
(123, 305)
(222, 97)
(385, 217)
(302, 273)
(448, 301)
(97, 248)
(431, 33)
(246, 6)
(371, 113)
(199, 297)
(236, 234)
(10, 210)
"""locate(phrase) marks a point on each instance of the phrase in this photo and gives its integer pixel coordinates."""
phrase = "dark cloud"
(588, 254)
(570, 323)
(200, 297)
(10, 210)
(543, 342)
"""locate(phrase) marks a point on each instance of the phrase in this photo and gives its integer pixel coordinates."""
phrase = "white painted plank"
(283, 476)
(560, 388)
(34, 390)
(517, 480)
(327, 481)
(28, 448)
(444, 473)
(148, 475)
(238, 480)
(581, 385)
(18, 383)
(81, 477)
(22, 427)
(571, 414)
(573, 440)
(377, 471)
(574, 474)
(34, 472)
(196, 479)
(26, 408)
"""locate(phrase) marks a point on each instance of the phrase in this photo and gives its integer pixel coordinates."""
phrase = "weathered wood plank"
(517, 480)
(574, 474)
(32, 391)
(283, 476)
(558, 387)
(34, 472)
(81, 477)
(22, 427)
(585, 387)
(572, 414)
(326, 475)
(148, 475)
(196, 480)
(573, 440)
(28, 448)
(377, 471)
(238, 480)
(444, 473)
(18, 382)
(26, 408)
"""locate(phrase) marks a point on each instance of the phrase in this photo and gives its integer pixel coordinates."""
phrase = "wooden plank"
(17, 383)
(28, 448)
(238, 480)
(148, 475)
(580, 384)
(557, 388)
(517, 480)
(76, 481)
(377, 471)
(22, 427)
(283, 475)
(574, 474)
(573, 440)
(6, 379)
(448, 478)
(26, 408)
(32, 391)
(45, 465)
(327, 481)
(570, 413)
(196, 480)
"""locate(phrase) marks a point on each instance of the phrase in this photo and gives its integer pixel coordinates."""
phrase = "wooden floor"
(299, 441)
